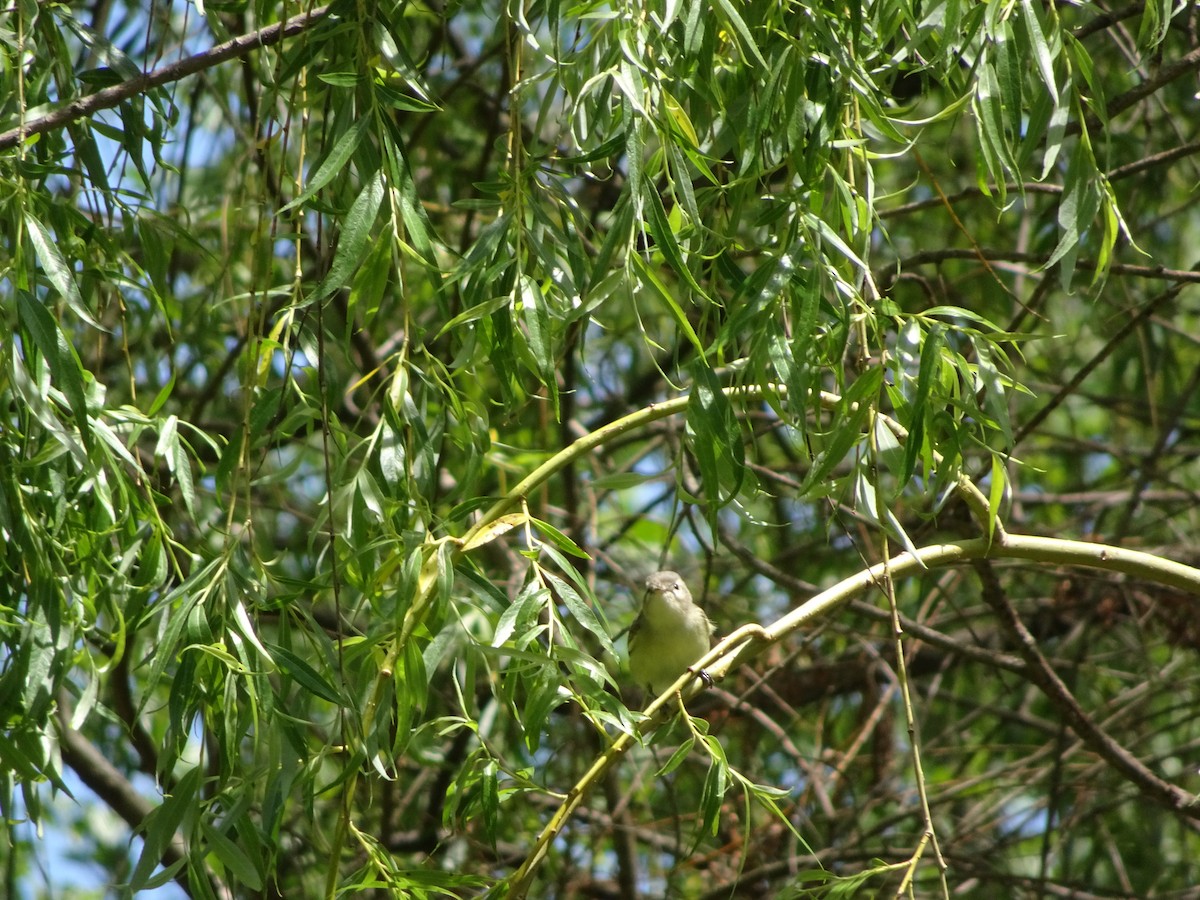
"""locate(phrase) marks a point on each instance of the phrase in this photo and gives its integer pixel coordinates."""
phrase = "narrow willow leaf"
(162, 396)
(850, 418)
(989, 109)
(518, 613)
(620, 481)
(676, 758)
(665, 240)
(419, 231)
(581, 611)
(927, 377)
(739, 25)
(178, 619)
(1041, 50)
(648, 277)
(1075, 211)
(1155, 23)
(161, 826)
(996, 493)
(357, 228)
(539, 336)
(57, 270)
(635, 149)
(559, 539)
(369, 285)
(334, 163)
(494, 530)
(412, 695)
(232, 855)
(476, 312)
(1010, 73)
(304, 674)
(65, 367)
(717, 440)
(181, 465)
(716, 783)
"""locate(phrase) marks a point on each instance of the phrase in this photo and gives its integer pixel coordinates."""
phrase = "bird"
(670, 634)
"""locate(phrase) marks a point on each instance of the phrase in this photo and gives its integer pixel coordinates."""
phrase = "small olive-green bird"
(670, 634)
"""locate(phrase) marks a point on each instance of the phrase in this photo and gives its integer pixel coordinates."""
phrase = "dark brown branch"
(1100, 498)
(1011, 187)
(1191, 276)
(1097, 740)
(1187, 63)
(85, 106)
(1166, 157)
(94, 770)
(1109, 19)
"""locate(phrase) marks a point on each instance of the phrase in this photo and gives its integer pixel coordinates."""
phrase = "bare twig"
(1070, 387)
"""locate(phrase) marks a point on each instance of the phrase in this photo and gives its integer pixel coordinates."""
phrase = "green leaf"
(735, 19)
(620, 481)
(178, 618)
(418, 229)
(304, 674)
(476, 312)
(716, 783)
(560, 540)
(1041, 49)
(369, 285)
(1010, 73)
(660, 290)
(232, 856)
(717, 439)
(357, 228)
(664, 239)
(335, 162)
(676, 759)
(927, 377)
(850, 419)
(161, 826)
(65, 367)
(581, 611)
(57, 270)
(517, 616)
(996, 491)
(340, 79)
(989, 109)
(1076, 210)
(539, 335)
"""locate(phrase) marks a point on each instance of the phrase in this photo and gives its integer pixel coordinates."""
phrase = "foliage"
(362, 363)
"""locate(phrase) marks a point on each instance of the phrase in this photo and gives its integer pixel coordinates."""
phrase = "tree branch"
(85, 106)
(1187, 63)
(750, 640)
(1044, 676)
(1039, 259)
(94, 770)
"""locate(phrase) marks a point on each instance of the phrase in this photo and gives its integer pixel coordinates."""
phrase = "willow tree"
(364, 359)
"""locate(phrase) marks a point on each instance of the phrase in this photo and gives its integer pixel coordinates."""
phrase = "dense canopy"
(363, 360)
